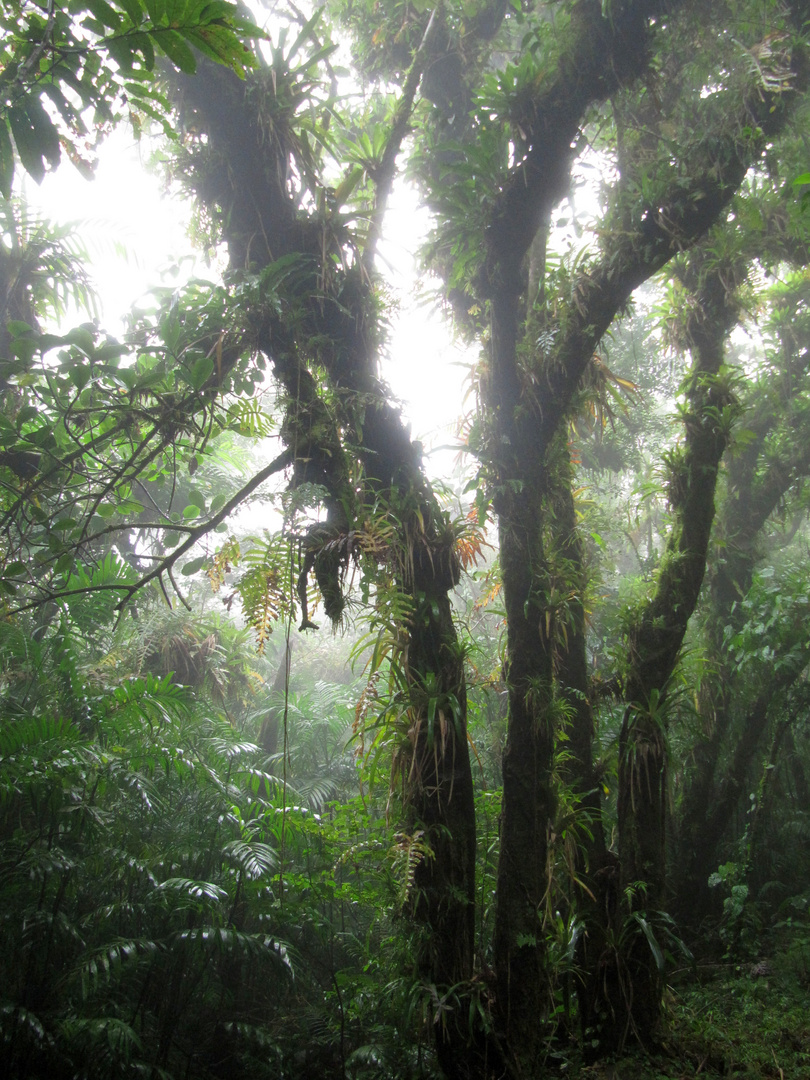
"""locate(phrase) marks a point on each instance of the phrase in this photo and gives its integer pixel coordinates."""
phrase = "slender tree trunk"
(654, 646)
(709, 801)
(761, 809)
(712, 807)
(271, 725)
(571, 669)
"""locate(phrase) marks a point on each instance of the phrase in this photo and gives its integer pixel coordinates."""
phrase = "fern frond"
(106, 964)
(254, 858)
(246, 416)
(264, 589)
(224, 561)
(408, 852)
(195, 890)
(227, 940)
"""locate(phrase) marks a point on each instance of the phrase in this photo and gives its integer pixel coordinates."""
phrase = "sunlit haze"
(135, 232)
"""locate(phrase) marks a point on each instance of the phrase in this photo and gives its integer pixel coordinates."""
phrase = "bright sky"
(131, 230)
(125, 208)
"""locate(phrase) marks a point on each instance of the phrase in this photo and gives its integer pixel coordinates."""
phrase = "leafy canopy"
(68, 73)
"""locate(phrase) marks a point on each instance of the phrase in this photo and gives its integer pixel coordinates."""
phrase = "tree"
(675, 103)
(659, 206)
(767, 466)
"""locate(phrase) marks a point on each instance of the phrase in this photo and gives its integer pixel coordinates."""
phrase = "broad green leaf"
(202, 372)
(80, 376)
(130, 507)
(69, 114)
(129, 377)
(35, 137)
(105, 14)
(62, 524)
(134, 10)
(157, 11)
(17, 328)
(81, 337)
(194, 565)
(65, 562)
(110, 350)
(26, 413)
(172, 44)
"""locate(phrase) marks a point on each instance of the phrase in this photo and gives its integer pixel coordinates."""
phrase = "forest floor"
(729, 1020)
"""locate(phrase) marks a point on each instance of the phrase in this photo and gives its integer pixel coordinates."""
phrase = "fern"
(224, 561)
(141, 843)
(106, 965)
(265, 587)
(246, 416)
(408, 852)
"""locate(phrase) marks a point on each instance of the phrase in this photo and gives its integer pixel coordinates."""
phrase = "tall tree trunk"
(595, 888)
(654, 646)
(441, 803)
(528, 796)
(754, 492)
(711, 808)
(335, 326)
(571, 667)
(271, 725)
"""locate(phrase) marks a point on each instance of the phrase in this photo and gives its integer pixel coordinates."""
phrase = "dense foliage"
(534, 783)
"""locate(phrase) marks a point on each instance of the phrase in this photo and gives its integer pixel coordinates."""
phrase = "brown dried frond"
(471, 541)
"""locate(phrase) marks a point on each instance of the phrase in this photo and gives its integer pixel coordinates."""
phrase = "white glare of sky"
(131, 230)
(125, 209)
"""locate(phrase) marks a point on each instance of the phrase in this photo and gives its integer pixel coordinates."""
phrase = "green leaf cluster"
(59, 64)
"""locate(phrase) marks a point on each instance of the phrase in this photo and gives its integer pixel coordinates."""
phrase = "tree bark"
(602, 52)
(594, 892)
(654, 645)
(758, 481)
(528, 796)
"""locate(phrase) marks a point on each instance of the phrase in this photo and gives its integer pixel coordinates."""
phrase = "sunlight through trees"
(557, 747)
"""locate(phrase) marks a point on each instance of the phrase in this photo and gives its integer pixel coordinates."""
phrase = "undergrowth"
(729, 1020)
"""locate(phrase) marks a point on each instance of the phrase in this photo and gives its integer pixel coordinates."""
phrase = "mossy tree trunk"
(653, 648)
(602, 51)
(328, 329)
(760, 474)
(593, 890)
(528, 792)
(524, 423)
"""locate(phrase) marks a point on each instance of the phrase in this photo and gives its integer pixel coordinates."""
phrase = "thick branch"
(602, 54)
(386, 172)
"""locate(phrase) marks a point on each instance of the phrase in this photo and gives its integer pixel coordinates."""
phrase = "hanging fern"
(223, 563)
(408, 852)
(264, 588)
